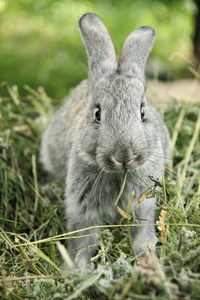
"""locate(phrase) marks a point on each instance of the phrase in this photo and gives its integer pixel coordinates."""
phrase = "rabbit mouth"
(124, 164)
(114, 164)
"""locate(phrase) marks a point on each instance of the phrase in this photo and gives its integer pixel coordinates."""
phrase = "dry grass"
(32, 222)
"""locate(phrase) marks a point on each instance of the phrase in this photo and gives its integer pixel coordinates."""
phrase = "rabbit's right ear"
(135, 52)
(99, 47)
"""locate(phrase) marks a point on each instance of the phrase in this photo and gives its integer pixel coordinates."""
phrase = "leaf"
(156, 181)
(162, 227)
(147, 194)
(151, 269)
(123, 213)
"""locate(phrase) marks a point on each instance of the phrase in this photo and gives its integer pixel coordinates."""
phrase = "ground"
(32, 224)
(188, 90)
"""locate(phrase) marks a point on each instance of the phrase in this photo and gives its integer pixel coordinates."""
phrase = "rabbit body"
(107, 126)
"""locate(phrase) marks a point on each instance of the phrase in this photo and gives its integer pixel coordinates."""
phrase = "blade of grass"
(128, 221)
(31, 265)
(177, 129)
(34, 170)
(50, 262)
(142, 179)
(65, 255)
(17, 103)
(46, 277)
(6, 238)
(87, 283)
(190, 150)
(165, 201)
(45, 201)
(16, 165)
(122, 188)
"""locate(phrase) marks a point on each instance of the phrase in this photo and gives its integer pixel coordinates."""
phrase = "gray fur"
(93, 156)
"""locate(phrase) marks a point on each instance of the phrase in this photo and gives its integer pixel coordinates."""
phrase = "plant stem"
(177, 129)
(18, 106)
(142, 179)
(128, 221)
(189, 150)
(122, 188)
(34, 169)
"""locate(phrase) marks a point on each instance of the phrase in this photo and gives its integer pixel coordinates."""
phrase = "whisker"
(92, 189)
(151, 172)
(96, 180)
(84, 183)
(170, 172)
(160, 156)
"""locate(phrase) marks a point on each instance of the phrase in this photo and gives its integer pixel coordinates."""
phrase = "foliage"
(41, 46)
(32, 221)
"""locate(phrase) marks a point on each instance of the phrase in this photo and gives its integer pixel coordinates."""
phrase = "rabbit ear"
(99, 47)
(135, 52)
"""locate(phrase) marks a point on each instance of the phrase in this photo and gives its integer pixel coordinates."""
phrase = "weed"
(32, 221)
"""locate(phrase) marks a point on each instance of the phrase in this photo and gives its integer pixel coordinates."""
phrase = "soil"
(187, 90)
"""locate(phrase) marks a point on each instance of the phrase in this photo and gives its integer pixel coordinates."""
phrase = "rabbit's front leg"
(144, 237)
(82, 245)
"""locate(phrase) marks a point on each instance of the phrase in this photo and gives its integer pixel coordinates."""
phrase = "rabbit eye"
(97, 114)
(142, 113)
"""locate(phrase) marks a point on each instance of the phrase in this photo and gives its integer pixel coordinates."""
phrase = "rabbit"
(107, 126)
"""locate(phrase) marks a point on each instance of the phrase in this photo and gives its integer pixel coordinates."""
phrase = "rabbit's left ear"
(135, 52)
(99, 47)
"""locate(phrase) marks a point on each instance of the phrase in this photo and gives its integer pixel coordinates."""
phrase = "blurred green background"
(40, 44)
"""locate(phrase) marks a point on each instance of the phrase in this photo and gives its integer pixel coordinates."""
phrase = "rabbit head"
(121, 131)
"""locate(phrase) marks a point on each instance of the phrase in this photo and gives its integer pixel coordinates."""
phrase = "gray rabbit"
(107, 126)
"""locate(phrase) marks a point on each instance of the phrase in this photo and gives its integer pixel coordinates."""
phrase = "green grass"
(41, 47)
(33, 225)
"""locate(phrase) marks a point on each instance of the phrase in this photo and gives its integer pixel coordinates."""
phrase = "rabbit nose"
(123, 162)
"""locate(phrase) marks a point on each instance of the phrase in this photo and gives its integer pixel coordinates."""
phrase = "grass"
(32, 221)
(41, 46)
